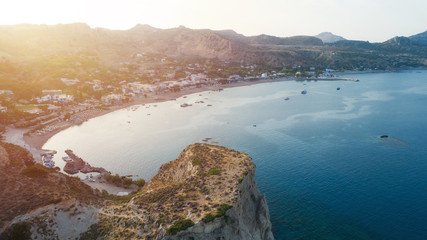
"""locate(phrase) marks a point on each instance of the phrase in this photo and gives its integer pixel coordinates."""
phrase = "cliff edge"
(209, 192)
(248, 218)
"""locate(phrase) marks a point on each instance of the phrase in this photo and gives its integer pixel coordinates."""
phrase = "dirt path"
(16, 136)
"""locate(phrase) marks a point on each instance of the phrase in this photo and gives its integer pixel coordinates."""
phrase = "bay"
(321, 163)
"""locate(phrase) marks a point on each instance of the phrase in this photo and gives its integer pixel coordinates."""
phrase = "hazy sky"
(373, 20)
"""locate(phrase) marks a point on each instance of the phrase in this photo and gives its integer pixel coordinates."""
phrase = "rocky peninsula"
(208, 192)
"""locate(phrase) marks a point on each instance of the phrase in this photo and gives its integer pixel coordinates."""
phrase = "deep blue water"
(320, 162)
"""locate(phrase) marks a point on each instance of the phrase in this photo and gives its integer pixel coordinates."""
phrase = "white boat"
(67, 159)
(304, 91)
(49, 164)
(47, 161)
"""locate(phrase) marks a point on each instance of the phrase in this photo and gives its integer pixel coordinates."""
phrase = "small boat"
(48, 161)
(384, 136)
(254, 125)
(185, 105)
(49, 164)
(67, 159)
(287, 98)
(338, 88)
(304, 91)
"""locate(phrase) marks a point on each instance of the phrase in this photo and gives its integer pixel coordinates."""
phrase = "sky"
(368, 20)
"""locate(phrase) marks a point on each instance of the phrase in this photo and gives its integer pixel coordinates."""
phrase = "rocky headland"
(208, 192)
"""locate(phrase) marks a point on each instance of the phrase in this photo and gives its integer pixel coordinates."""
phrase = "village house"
(6, 92)
(54, 96)
(112, 99)
(198, 77)
(51, 92)
(3, 109)
(140, 88)
(234, 78)
(69, 82)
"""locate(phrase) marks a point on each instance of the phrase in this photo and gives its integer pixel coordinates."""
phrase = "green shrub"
(214, 171)
(222, 210)
(140, 182)
(55, 201)
(179, 225)
(127, 181)
(116, 179)
(36, 170)
(196, 161)
(17, 231)
(208, 218)
(240, 180)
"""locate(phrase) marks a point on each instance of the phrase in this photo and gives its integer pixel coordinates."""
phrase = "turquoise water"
(320, 162)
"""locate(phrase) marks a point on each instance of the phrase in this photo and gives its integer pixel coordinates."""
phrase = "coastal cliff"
(208, 192)
(247, 219)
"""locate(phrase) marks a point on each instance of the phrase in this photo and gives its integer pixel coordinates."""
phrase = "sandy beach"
(36, 142)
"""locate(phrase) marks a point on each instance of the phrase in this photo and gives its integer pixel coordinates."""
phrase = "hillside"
(420, 38)
(35, 57)
(208, 192)
(27, 186)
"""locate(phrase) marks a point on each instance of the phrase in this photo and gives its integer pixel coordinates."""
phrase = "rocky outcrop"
(208, 192)
(247, 219)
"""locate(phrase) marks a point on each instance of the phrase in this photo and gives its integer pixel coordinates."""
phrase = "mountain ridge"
(26, 43)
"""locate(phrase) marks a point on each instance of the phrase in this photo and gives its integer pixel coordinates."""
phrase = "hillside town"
(58, 105)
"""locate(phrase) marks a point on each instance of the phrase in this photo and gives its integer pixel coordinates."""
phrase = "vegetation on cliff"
(181, 194)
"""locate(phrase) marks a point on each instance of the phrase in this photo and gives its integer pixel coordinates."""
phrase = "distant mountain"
(398, 41)
(113, 48)
(328, 37)
(295, 40)
(420, 38)
(353, 44)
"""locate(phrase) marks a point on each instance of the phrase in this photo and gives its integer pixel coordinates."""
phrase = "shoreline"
(37, 141)
(34, 143)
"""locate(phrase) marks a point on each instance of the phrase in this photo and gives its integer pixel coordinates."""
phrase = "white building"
(234, 78)
(112, 99)
(264, 75)
(69, 82)
(51, 92)
(3, 109)
(54, 95)
(6, 92)
(140, 88)
(198, 77)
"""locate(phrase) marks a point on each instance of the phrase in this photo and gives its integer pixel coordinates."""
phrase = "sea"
(346, 160)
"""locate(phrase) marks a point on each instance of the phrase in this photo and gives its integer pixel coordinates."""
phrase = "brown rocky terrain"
(208, 192)
(26, 186)
(199, 187)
